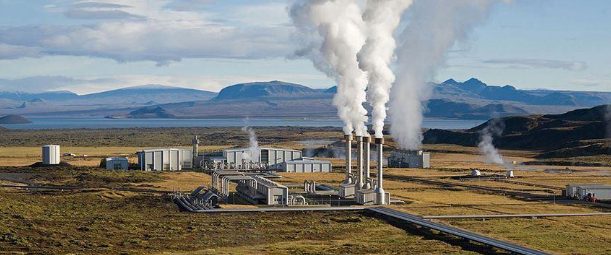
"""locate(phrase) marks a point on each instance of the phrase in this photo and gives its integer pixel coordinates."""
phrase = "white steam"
(253, 145)
(434, 26)
(331, 33)
(382, 18)
(486, 148)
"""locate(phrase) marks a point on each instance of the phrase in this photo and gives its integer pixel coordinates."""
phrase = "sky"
(98, 45)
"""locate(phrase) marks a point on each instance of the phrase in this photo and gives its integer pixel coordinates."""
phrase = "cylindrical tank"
(50, 154)
(509, 174)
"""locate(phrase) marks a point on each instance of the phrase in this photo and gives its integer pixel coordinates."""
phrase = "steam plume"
(486, 148)
(253, 144)
(433, 28)
(331, 33)
(382, 18)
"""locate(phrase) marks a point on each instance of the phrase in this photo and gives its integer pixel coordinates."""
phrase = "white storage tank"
(50, 155)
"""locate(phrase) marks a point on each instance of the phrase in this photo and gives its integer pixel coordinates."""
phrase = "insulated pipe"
(348, 158)
(367, 144)
(359, 162)
(380, 194)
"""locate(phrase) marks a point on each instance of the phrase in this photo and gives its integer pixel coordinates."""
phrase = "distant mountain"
(476, 89)
(534, 132)
(471, 99)
(14, 119)
(264, 90)
(148, 93)
(441, 108)
(51, 96)
(332, 90)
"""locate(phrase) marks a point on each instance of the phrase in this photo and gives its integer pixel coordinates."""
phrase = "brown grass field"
(101, 220)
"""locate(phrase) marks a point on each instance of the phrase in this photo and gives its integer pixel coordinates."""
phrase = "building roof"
(267, 183)
(261, 148)
(590, 186)
(117, 159)
(307, 161)
(163, 149)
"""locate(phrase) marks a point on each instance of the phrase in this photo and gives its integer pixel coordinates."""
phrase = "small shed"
(117, 163)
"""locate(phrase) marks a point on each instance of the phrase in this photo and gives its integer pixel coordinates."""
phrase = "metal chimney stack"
(380, 193)
(348, 139)
(195, 151)
(367, 166)
(359, 162)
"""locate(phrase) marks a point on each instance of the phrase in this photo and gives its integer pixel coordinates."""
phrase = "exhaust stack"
(348, 139)
(380, 193)
(195, 151)
(367, 156)
(359, 162)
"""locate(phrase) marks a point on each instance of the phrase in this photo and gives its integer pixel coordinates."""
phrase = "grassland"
(106, 221)
(115, 213)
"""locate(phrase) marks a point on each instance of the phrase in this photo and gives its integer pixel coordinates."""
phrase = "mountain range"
(472, 99)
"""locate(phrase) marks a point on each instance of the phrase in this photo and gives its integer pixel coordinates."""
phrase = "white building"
(165, 159)
(269, 156)
(580, 191)
(409, 159)
(51, 154)
(306, 166)
(117, 163)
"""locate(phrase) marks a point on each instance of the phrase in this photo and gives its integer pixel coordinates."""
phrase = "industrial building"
(581, 191)
(165, 159)
(51, 154)
(251, 187)
(409, 159)
(306, 165)
(117, 163)
(270, 157)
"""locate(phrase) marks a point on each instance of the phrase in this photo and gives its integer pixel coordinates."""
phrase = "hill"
(51, 96)
(148, 93)
(14, 119)
(145, 113)
(264, 89)
(442, 108)
(549, 133)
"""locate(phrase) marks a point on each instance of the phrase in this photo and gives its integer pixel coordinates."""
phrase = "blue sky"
(96, 45)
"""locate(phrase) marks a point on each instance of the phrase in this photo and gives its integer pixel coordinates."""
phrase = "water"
(97, 123)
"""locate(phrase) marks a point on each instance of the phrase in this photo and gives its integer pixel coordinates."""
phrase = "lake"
(95, 123)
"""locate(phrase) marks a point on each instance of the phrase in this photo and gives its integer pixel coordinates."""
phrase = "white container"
(509, 174)
(50, 154)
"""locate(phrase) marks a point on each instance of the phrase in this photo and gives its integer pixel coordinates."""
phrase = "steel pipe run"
(380, 193)
(348, 139)
(359, 162)
(367, 166)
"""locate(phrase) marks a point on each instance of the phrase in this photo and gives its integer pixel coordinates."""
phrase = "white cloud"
(590, 84)
(45, 83)
(535, 63)
(136, 30)
(8, 51)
